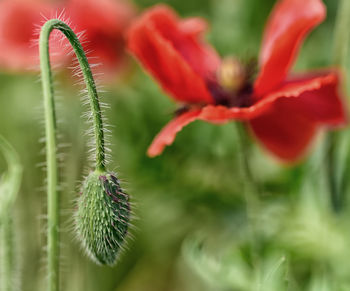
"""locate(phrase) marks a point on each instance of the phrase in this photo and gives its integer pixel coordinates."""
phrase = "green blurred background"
(195, 227)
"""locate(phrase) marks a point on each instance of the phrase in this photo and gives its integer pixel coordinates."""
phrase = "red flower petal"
(289, 23)
(210, 113)
(193, 26)
(284, 121)
(221, 114)
(171, 51)
(319, 97)
(284, 134)
(167, 135)
(288, 127)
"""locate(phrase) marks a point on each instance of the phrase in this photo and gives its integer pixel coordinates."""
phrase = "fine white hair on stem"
(76, 70)
(59, 45)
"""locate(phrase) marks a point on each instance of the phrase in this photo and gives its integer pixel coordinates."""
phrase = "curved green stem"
(340, 52)
(50, 131)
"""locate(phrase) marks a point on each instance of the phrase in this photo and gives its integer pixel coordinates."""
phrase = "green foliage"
(232, 271)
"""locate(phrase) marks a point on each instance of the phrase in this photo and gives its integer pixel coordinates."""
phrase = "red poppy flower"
(103, 23)
(19, 20)
(283, 111)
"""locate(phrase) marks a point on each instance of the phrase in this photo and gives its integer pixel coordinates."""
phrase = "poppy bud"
(103, 217)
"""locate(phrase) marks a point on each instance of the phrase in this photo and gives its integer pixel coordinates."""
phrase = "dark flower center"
(232, 86)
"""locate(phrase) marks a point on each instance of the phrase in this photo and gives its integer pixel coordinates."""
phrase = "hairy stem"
(50, 131)
(340, 52)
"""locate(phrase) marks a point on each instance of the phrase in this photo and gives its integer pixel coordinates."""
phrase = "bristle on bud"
(103, 217)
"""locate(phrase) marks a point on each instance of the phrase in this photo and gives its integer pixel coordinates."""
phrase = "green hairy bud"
(103, 217)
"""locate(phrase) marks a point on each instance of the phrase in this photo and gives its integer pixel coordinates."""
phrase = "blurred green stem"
(340, 53)
(336, 197)
(7, 254)
(251, 191)
(245, 149)
(51, 146)
(9, 186)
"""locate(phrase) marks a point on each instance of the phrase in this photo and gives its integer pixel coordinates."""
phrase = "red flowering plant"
(282, 110)
(103, 23)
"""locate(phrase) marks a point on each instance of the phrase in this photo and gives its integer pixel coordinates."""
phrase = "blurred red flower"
(283, 111)
(103, 23)
(19, 21)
